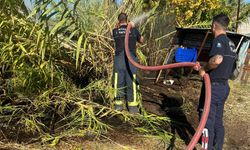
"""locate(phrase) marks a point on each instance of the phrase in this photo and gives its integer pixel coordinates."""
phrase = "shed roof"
(203, 30)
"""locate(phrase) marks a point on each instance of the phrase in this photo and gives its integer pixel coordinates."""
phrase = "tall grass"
(56, 68)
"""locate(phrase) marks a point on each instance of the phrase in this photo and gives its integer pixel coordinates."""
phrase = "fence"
(246, 69)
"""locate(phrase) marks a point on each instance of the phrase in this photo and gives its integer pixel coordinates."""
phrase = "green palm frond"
(58, 62)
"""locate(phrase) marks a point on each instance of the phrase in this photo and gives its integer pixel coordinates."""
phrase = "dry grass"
(237, 118)
(138, 143)
(238, 102)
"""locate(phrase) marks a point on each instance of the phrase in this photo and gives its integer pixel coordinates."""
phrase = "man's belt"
(218, 83)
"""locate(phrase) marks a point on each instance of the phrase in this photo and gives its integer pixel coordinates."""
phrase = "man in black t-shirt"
(124, 77)
(220, 67)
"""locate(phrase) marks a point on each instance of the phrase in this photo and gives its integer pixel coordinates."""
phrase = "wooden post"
(202, 46)
(203, 43)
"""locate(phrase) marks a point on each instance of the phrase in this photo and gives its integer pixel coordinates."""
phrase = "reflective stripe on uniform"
(116, 84)
(134, 88)
(134, 103)
(118, 102)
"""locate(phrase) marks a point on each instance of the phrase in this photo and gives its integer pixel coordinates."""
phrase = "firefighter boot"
(133, 110)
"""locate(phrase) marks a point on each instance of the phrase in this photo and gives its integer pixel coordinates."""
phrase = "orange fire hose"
(196, 66)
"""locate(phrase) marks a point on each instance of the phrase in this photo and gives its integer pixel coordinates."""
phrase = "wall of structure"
(244, 28)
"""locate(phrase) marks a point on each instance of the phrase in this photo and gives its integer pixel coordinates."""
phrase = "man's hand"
(213, 63)
(197, 67)
(202, 72)
(141, 41)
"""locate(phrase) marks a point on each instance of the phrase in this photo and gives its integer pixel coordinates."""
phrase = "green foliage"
(56, 66)
(199, 13)
(230, 7)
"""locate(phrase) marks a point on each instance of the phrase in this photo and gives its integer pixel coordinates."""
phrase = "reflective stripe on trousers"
(121, 92)
(134, 102)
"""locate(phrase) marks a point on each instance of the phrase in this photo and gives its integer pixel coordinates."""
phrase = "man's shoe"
(133, 109)
(118, 107)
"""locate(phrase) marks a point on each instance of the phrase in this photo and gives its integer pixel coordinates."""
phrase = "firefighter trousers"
(214, 125)
(125, 81)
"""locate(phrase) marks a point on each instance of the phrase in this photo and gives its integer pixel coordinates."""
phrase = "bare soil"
(179, 102)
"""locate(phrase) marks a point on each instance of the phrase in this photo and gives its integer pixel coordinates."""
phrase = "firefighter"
(220, 66)
(125, 81)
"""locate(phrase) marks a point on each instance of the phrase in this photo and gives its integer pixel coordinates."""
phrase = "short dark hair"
(122, 17)
(222, 19)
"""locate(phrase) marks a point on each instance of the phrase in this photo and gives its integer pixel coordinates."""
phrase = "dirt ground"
(178, 102)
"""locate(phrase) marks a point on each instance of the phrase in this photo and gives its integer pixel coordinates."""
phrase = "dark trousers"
(220, 92)
(124, 80)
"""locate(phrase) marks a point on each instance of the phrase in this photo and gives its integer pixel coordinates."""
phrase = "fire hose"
(196, 66)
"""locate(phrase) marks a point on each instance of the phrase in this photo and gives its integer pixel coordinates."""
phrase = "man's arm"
(139, 37)
(213, 63)
(216, 56)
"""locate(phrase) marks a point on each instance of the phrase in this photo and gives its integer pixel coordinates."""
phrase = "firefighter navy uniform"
(223, 46)
(125, 82)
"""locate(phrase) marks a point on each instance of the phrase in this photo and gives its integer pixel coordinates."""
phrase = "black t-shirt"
(119, 36)
(222, 45)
